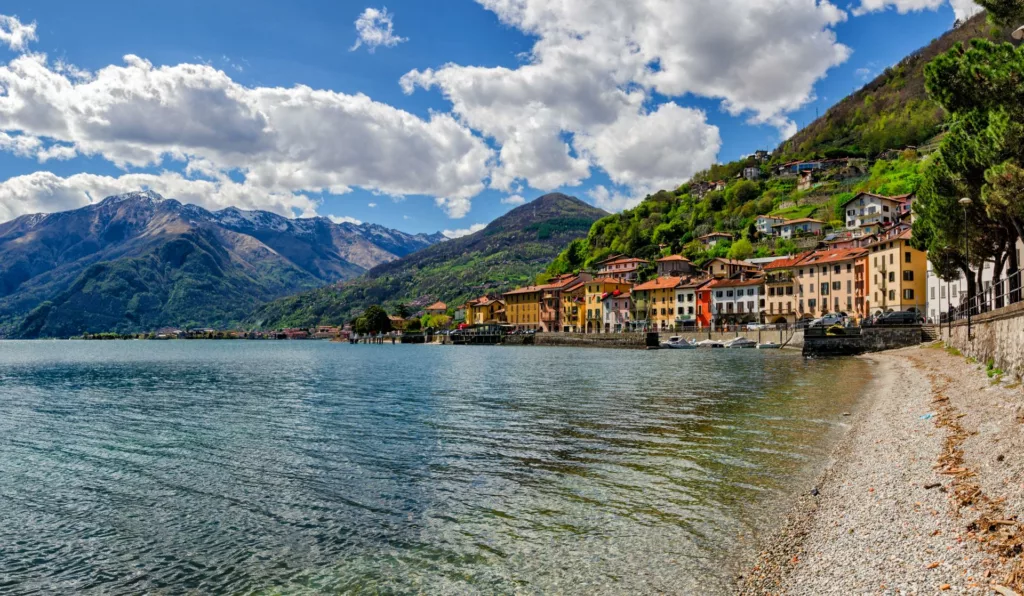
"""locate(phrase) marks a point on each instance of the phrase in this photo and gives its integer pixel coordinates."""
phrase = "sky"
(421, 115)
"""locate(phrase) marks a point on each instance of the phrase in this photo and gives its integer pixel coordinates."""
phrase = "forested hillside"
(507, 253)
(892, 111)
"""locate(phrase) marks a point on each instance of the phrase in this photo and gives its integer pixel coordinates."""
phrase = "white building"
(737, 300)
(942, 295)
(799, 227)
(765, 222)
(868, 212)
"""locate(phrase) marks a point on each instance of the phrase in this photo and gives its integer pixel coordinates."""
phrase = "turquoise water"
(310, 467)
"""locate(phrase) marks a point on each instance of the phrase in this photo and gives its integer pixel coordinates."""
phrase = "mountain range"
(509, 252)
(137, 261)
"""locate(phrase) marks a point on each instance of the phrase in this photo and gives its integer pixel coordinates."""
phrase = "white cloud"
(473, 229)
(15, 34)
(280, 141)
(45, 192)
(513, 200)
(375, 29)
(614, 202)
(596, 64)
(344, 219)
(962, 8)
(371, 205)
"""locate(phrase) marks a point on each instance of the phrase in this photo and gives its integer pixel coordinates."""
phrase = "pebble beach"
(923, 495)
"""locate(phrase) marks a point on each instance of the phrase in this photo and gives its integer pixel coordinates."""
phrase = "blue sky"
(428, 116)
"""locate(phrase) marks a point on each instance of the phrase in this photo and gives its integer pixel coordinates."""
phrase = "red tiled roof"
(437, 306)
(733, 262)
(525, 290)
(673, 258)
(819, 257)
(607, 280)
(715, 235)
(786, 263)
(660, 283)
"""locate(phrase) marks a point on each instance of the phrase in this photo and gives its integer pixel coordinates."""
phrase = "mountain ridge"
(509, 251)
(44, 256)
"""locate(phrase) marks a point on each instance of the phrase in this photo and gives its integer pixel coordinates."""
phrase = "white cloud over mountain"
(283, 141)
(473, 229)
(963, 9)
(583, 98)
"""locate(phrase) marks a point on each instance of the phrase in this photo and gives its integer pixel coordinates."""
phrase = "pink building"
(615, 310)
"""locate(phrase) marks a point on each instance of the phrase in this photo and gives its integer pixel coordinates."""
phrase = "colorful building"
(654, 303)
(835, 281)
(710, 240)
(437, 308)
(485, 310)
(522, 307)
(574, 298)
(551, 301)
(596, 291)
(688, 308)
(897, 273)
(781, 295)
(616, 309)
(798, 227)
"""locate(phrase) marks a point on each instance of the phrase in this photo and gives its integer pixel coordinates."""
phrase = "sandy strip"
(908, 504)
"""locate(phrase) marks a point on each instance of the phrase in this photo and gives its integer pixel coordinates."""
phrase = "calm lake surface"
(310, 467)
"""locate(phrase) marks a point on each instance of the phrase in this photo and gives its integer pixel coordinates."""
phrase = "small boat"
(741, 343)
(769, 346)
(710, 343)
(677, 343)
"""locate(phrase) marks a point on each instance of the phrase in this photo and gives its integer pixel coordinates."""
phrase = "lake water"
(310, 467)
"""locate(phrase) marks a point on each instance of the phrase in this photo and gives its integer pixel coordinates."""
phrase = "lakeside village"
(866, 270)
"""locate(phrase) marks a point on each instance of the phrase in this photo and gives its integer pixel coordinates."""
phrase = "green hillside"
(892, 111)
(507, 253)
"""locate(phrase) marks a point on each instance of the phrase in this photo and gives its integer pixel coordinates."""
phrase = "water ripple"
(262, 468)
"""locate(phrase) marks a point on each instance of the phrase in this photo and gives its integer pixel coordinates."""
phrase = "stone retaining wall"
(997, 336)
(871, 339)
(633, 341)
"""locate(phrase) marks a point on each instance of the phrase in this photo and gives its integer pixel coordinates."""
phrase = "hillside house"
(799, 227)
(869, 213)
(622, 268)
(437, 308)
(752, 173)
(765, 222)
(725, 268)
(676, 265)
(710, 240)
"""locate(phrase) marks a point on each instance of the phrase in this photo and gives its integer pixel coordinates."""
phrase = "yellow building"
(654, 303)
(596, 291)
(897, 273)
(485, 310)
(574, 312)
(522, 307)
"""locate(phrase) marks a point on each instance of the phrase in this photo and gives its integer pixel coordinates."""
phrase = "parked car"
(829, 320)
(755, 326)
(900, 318)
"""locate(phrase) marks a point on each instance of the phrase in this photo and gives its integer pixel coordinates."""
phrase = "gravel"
(884, 521)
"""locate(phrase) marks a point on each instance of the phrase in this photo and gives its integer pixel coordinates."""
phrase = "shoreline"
(923, 494)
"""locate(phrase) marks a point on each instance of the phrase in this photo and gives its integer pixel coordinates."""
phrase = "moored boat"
(741, 343)
(769, 346)
(710, 343)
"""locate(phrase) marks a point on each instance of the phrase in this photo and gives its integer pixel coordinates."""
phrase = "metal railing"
(1007, 292)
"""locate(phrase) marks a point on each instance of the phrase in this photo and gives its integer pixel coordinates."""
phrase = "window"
(750, 292)
(689, 310)
(849, 286)
(771, 291)
(729, 293)
(801, 273)
(718, 294)
(876, 261)
(907, 257)
(750, 305)
(892, 259)
(908, 275)
(837, 285)
(789, 291)
(837, 269)
(824, 270)
(942, 292)
(892, 294)
(908, 294)
(892, 277)
(824, 289)
(849, 267)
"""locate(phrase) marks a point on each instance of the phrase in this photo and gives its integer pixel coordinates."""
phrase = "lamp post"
(965, 203)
